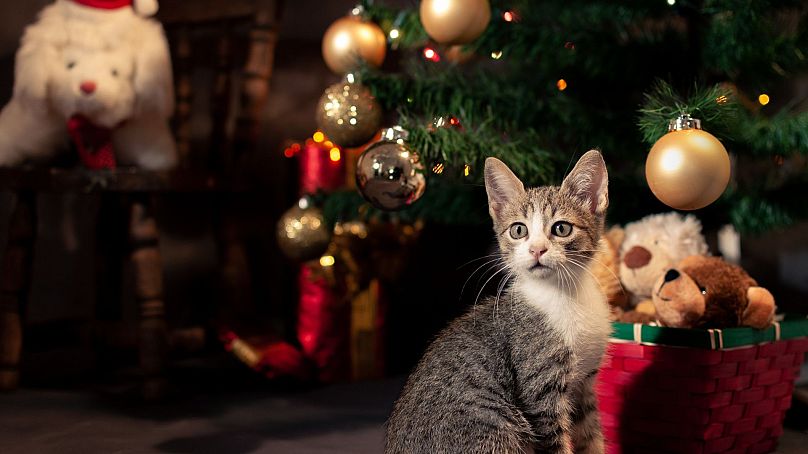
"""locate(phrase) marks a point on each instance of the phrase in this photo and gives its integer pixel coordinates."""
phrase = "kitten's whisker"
(490, 262)
(573, 278)
(504, 267)
(605, 267)
(496, 254)
(583, 267)
(600, 262)
(501, 286)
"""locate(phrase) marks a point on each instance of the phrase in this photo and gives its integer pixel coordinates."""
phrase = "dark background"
(65, 308)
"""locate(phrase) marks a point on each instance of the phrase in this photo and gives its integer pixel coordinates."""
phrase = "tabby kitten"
(515, 374)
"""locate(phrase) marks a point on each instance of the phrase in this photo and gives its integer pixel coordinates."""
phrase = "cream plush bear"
(103, 62)
(650, 247)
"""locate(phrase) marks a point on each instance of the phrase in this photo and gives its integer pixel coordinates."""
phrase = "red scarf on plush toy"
(94, 143)
(143, 8)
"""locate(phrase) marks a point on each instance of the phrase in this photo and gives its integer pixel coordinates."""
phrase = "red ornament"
(94, 143)
(323, 326)
(274, 358)
(318, 172)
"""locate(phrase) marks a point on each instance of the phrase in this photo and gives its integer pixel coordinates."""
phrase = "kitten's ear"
(589, 182)
(501, 185)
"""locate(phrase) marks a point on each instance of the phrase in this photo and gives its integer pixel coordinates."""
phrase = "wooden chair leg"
(15, 282)
(148, 282)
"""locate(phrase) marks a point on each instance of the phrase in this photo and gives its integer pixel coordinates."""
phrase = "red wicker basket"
(699, 391)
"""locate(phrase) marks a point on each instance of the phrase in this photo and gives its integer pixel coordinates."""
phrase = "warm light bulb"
(507, 16)
(561, 84)
(327, 260)
(763, 99)
(394, 33)
(430, 54)
(318, 136)
(671, 2)
(334, 154)
(438, 168)
(466, 170)
(496, 55)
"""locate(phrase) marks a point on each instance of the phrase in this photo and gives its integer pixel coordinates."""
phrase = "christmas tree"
(536, 84)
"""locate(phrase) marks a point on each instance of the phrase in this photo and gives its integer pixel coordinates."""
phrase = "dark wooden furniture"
(232, 39)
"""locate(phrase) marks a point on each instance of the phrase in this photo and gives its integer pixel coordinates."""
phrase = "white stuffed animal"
(651, 246)
(103, 62)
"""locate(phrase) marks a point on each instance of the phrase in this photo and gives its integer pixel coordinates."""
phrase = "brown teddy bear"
(707, 292)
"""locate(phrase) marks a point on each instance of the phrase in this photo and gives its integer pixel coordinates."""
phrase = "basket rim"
(790, 326)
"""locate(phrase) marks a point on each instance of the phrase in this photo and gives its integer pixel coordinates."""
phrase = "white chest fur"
(580, 315)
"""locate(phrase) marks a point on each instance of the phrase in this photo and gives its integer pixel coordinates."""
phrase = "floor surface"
(345, 418)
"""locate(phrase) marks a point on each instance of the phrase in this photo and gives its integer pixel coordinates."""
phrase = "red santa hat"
(142, 7)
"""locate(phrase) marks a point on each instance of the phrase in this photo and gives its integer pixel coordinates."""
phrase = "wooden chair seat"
(80, 180)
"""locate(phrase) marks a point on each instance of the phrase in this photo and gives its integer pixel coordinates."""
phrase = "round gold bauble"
(389, 174)
(348, 113)
(349, 41)
(302, 232)
(687, 169)
(455, 21)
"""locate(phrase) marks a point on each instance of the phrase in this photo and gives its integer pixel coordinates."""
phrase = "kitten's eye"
(70, 64)
(114, 73)
(518, 230)
(703, 290)
(561, 228)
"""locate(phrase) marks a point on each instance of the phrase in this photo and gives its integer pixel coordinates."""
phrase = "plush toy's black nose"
(671, 275)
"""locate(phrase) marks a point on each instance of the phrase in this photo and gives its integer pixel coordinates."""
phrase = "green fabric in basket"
(789, 328)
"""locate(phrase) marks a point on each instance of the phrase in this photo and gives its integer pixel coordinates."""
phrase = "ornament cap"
(684, 121)
(395, 134)
(357, 11)
(352, 78)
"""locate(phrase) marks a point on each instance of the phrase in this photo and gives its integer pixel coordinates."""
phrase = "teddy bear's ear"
(33, 72)
(616, 235)
(760, 309)
(153, 79)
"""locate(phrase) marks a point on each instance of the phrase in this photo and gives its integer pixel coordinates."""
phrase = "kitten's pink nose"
(537, 251)
(87, 87)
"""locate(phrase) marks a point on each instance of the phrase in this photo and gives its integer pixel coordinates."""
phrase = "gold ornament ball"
(389, 174)
(302, 233)
(455, 21)
(348, 113)
(350, 40)
(687, 169)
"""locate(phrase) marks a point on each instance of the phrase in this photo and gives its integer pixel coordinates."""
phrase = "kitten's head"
(543, 231)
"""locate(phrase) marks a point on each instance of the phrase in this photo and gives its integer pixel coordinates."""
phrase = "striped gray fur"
(515, 373)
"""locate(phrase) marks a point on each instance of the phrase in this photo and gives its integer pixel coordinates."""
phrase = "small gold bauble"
(389, 174)
(457, 54)
(349, 41)
(302, 232)
(687, 169)
(348, 113)
(455, 21)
